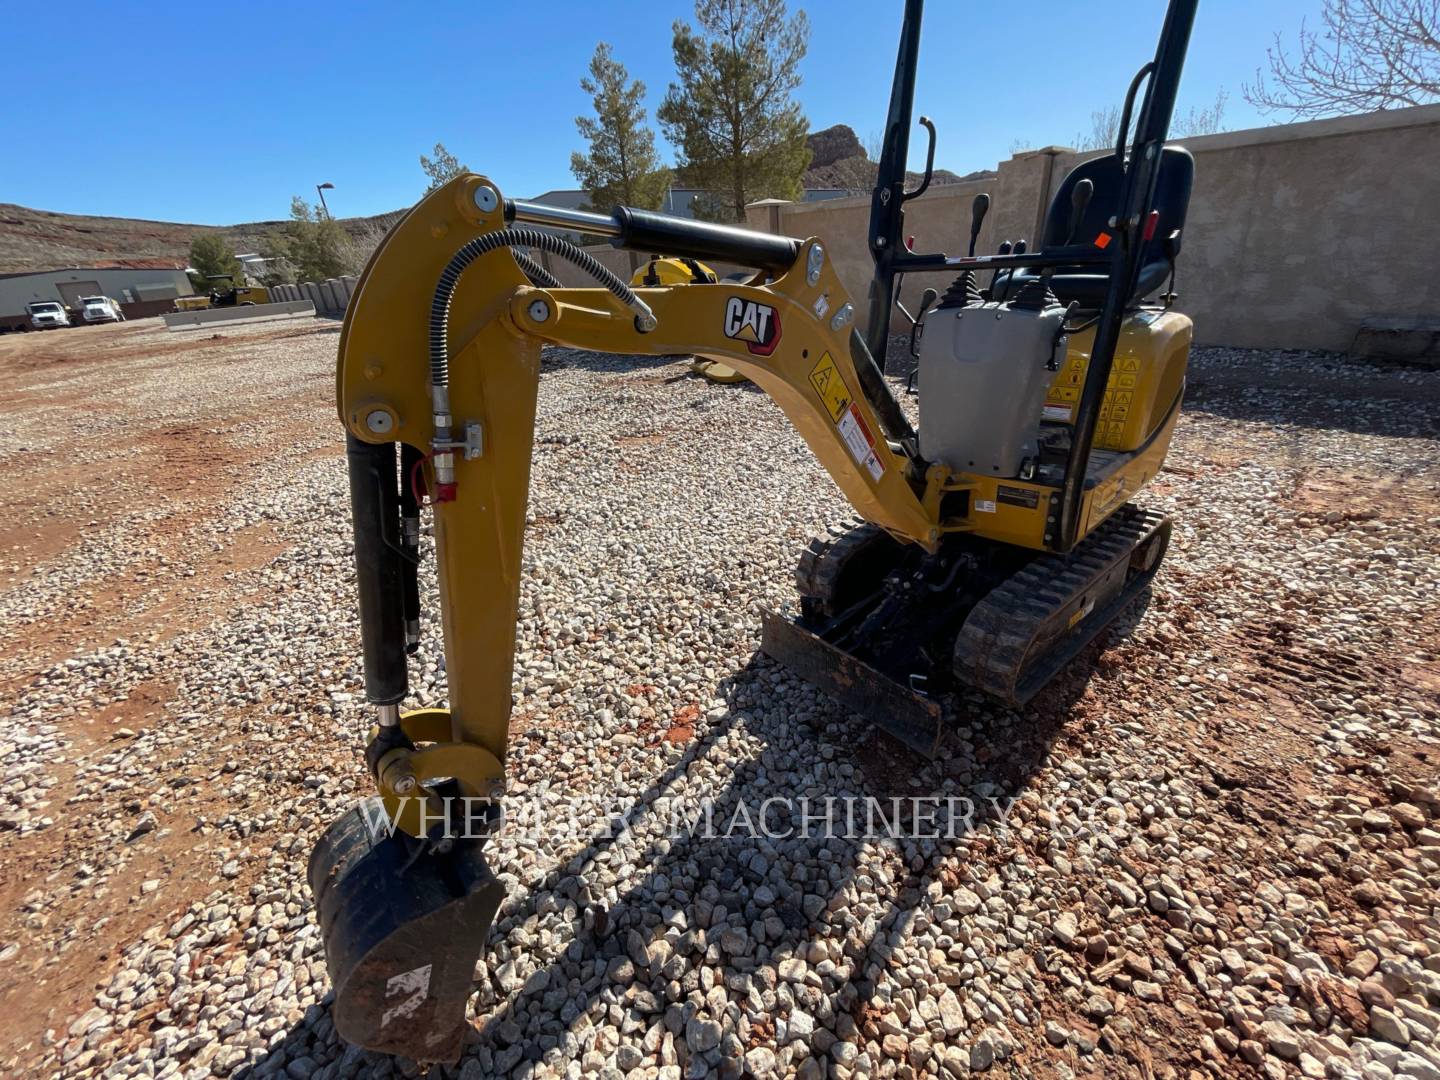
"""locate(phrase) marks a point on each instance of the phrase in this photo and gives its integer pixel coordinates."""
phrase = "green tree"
(211, 257)
(441, 168)
(621, 168)
(740, 135)
(311, 244)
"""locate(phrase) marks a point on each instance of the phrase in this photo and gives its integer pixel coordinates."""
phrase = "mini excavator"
(994, 540)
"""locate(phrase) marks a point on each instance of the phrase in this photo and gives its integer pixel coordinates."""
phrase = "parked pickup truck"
(47, 315)
(100, 309)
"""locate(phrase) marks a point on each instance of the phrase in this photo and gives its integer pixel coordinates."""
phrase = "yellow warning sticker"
(825, 377)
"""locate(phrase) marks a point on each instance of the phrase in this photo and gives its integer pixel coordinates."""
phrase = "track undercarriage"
(885, 628)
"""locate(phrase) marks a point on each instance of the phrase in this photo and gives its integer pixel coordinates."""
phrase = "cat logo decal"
(756, 324)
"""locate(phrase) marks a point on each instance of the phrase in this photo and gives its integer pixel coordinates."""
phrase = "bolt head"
(539, 311)
(379, 421)
(486, 198)
(814, 262)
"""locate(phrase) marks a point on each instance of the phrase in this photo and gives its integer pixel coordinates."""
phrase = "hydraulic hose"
(537, 274)
(514, 237)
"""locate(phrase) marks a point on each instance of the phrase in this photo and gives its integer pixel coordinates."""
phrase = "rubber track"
(992, 652)
(824, 559)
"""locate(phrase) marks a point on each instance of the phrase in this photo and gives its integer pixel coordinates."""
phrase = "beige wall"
(1295, 233)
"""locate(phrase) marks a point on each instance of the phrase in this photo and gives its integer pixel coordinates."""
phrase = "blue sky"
(219, 115)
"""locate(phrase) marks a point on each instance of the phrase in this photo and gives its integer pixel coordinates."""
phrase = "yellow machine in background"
(663, 271)
(233, 296)
(997, 537)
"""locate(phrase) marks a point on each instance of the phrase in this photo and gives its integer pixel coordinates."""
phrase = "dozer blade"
(896, 709)
(403, 929)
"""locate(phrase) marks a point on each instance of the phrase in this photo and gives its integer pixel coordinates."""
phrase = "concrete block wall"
(1295, 235)
(330, 297)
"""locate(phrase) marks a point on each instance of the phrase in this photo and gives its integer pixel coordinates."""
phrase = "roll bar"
(887, 225)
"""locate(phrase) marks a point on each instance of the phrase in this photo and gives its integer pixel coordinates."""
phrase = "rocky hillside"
(839, 160)
(46, 240)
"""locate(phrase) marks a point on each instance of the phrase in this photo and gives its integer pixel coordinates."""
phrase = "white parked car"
(100, 309)
(47, 315)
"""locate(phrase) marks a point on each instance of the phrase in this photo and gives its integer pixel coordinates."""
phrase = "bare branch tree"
(1371, 55)
(1105, 124)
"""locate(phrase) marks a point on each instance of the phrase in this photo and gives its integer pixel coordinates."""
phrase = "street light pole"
(321, 189)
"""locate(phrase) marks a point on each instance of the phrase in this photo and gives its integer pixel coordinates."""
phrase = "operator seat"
(1086, 284)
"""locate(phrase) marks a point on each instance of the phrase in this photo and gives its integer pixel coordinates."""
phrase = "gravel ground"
(1210, 849)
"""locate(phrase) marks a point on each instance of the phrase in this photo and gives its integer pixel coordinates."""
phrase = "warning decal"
(860, 442)
(825, 377)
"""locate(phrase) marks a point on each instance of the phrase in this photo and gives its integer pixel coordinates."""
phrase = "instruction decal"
(825, 377)
(860, 442)
(756, 324)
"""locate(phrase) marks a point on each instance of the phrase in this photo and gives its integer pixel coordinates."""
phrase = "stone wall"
(1296, 233)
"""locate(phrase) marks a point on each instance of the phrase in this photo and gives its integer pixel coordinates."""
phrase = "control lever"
(978, 209)
(927, 300)
(1019, 249)
(1003, 249)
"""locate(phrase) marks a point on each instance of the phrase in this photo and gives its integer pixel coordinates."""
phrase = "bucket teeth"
(403, 928)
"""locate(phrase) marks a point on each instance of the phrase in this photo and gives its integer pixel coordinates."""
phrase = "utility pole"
(321, 189)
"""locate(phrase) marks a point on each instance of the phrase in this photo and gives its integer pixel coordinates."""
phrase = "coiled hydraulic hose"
(514, 237)
(537, 274)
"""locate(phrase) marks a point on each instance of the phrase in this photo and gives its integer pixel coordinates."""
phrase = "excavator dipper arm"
(396, 910)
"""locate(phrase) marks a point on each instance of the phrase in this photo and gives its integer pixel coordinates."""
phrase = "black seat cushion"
(1084, 284)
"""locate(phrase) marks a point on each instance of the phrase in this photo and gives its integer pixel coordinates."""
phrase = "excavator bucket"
(403, 928)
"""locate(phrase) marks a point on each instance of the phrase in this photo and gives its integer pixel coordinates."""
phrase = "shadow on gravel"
(558, 357)
(1364, 404)
(796, 913)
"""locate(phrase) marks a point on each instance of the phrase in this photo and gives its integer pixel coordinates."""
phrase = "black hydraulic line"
(877, 391)
(504, 238)
(1136, 200)
(410, 459)
(379, 572)
(537, 274)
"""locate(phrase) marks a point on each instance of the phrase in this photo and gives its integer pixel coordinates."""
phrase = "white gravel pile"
(1211, 849)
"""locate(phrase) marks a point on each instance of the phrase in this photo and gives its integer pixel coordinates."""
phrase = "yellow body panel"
(191, 303)
(1145, 378)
